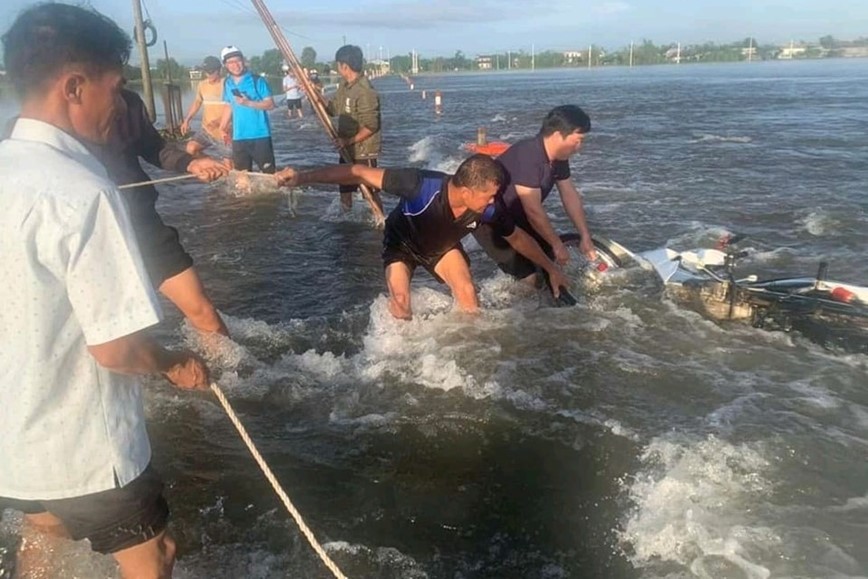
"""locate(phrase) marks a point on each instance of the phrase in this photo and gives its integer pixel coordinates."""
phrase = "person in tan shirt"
(357, 107)
(209, 97)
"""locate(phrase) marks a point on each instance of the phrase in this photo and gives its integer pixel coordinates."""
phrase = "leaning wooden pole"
(317, 102)
(147, 87)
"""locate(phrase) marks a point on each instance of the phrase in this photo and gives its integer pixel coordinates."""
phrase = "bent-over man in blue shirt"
(426, 227)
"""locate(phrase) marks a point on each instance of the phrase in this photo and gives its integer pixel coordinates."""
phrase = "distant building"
(195, 74)
(484, 62)
(380, 66)
(749, 52)
(792, 51)
(854, 51)
(573, 56)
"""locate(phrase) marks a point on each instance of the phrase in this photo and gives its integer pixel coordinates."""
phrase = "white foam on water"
(820, 223)
(379, 561)
(244, 184)
(358, 213)
(498, 118)
(817, 396)
(414, 351)
(422, 150)
(693, 500)
(710, 138)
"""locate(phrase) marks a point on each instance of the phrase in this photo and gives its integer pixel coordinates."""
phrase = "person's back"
(291, 87)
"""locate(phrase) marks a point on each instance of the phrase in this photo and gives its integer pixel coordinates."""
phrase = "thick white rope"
(305, 530)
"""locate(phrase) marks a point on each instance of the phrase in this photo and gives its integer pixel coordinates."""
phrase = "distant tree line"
(644, 52)
(269, 62)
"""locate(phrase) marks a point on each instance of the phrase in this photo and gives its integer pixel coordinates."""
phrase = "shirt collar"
(48, 134)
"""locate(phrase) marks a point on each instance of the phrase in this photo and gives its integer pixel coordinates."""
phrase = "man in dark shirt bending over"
(536, 165)
(435, 212)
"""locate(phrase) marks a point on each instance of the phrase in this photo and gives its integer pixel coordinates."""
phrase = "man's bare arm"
(265, 104)
(139, 354)
(575, 209)
(334, 175)
(531, 201)
(526, 245)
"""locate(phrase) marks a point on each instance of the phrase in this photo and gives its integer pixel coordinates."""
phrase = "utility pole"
(532, 57)
(678, 55)
(750, 50)
(631, 54)
(146, 65)
(508, 60)
(590, 54)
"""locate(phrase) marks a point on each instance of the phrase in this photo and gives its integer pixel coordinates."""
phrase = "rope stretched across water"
(187, 176)
(305, 530)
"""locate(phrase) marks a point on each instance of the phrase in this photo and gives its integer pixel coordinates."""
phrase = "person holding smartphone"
(249, 99)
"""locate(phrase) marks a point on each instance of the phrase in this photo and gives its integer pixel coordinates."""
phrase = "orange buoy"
(493, 148)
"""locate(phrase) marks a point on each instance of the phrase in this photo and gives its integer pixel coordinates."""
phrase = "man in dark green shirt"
(357, 106)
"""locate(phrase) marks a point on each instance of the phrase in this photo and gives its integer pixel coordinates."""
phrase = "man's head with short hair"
(211, 64)
(350, 55)
(565, 119)
(478, 179)
(563, 131)
(47, 39)
(66, 63)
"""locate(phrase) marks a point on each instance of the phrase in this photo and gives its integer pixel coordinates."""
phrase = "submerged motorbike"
(831, 313)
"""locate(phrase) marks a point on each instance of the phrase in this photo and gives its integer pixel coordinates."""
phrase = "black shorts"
(351, 188)
(247, 151)
(160, 245)
(503, 254)
(112, 520)
(292, 104)
(393, 253)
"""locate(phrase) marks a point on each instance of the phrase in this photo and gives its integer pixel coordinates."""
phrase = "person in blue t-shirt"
(250, 100)
(426, 227)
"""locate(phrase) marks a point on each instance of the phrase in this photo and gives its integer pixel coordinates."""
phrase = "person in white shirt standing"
(293, 92)
(74, 304)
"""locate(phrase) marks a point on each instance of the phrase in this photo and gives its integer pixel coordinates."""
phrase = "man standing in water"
(169, 266)
(250, 100)
(535, 165)
(435, 212)
(357, 106)
(75, 303)
(209, 97)
(292, 92)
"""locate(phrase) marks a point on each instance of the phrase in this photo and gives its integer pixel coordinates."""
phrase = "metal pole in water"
(146, 65)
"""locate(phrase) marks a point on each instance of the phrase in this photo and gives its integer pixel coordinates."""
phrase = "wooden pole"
(316, 99)
(146, 65)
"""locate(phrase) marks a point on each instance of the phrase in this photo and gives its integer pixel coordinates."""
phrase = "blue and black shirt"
(423, 224)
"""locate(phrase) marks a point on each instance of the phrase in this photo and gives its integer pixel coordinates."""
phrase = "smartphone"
(237, 92)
